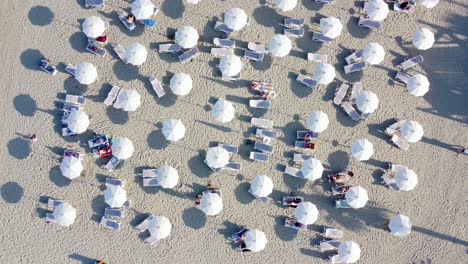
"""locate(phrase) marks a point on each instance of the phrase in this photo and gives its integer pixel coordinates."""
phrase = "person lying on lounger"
(198, 198)
(309, 145)
(340, 177)
(295, 223)
(342, 192)
(105, 151)
(293, 202)
(130, 19)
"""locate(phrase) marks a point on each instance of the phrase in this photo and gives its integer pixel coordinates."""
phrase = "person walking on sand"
(33, 138)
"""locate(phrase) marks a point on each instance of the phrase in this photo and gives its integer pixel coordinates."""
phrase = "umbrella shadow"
(19, 148)
(12, 192)
(78, 41)
(297, 88)
(197, 165)
(125, 72)
(228, 230)
(173, 9)
(242, 193)
(263, 65)
(156, 140)
(194, 218)
(98, 205)
(378, 130)
(312, 5)
(215, 126)
(282, 232)
(338, 160)
(40, 16)
(268, 17)
(81, 258)
(30, 59)
(307, 44)
(55, 176)
(355, 30)
(294, 183)
(25, 105)
(117, 116)
(290, 129)
(72, 86)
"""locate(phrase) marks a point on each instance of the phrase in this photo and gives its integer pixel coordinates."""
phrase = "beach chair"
(234, 166)
(98, 141)
(389, 181)
(50, 218)
(120, 51)
(262, 104)
(95, 50)
(231, 78)
(147, 22)
(113, 213)
(112, 95)
(294, 32)
(329, 245)
(395, 168)
(71, 69)
(260, 122)
(101, 39)
(402, 77)
(144, 225)
(336, 189)
(255, 46)
(110, 181)
(72, 153)
(332, 233)
(263, 147)
(149, 173)
(67, 107)
(400, 142)
(47, 67)
(301, 144)
(189, 55)
(66, 132)
(367, 23)
(150, 182)
(230, 148)
(224, 43)
(236, 237)
(335, 259)
(109, 223)
(411, 62)
(320, 37)
(307, 81)
(293, 22)
(395, 127)
(317, 57)
(365, 116)
(112, 163)
(265, 133)
(298, 157)
(123, 19)
(221, 52)
(287, 199)
(151, 240)
(94, 3)
(289, 222)
(356, 89)
(340, 94)
(169, 48)
(301, 134)
(341, 204)
(258, 156)
(219, 26)
(157, 87)
(324, 1)
(354, 67)
(213, 169)
(254, 55)
(295, 172)
(262, 199)
(52, 203)
(75, 99)
(355, 56)
(349, 109)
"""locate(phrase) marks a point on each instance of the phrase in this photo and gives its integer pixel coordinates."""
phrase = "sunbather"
(296, 223)
(130, 19)
(293, 202)
(198, 198)
(243, 247)
(342, 192)
(308, 135)
(261, 86)
(309, 145)
(33, 138)
(105, 151)
(44, 62)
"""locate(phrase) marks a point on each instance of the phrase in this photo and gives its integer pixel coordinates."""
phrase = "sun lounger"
(231, 78)
(342, 180)
(289, 222)
(341, 204)
(332, 233)
(320, 37)
(98, 141)
(50, 218)
(324, 1)
(411, 62)
(54, 202)
(221, 52)
(219, 26)
(66, 132)
(395, 127)
(367, 23)
(336, 189)
(298, 157)
(295, 172)
(110, 181)
(263, 147)
(147, 22)
(149, 173)
(113, 162)
(389, 181)
(189, 55)
(213, 169)
(328, 245)
(71, 69)
(75, 99)
(264, 133)
(260, 122)
(99, 40)
(287, 199)
(109, 223)
(112, 95)
(235, 166)
(94, 3)
(144, 225)
(356, 89)
(72, 153)
(402, 77)
(317, 57)
(335, 259)
(355, 56)
(47, 67)
(224, 43)
(352, 113)
(169, 48)
(230, 148)
(123, 19)
(262, 104)
(340, 94)
(354, 67)
(254, 55)
(262, 199)
(307, 81)
(151, 240)
(157, 87)
(96, 50)
(120, 51)
(395, 168)
(400, 142)
(113, 213)
(293, 22)
(301, 134)
(258, 156)
(294, 32)
(68, 107)
(150, 182)
(301, 144)
(254, 46)
(236, 237)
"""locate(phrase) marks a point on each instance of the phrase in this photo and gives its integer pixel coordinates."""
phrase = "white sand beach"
(31, 102)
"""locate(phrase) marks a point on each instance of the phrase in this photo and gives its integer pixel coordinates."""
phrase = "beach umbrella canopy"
(317, 121)
(324, 73)
(331, 27)
(71, 167)
(373, 53)
(235, 18)
(217, 157)
(128, 100)
(85, 73)
(367, 102)
(377, 10)
(400, 225)
(230, 65)
(173, 129)
(418, 85)
(362, 149)
(187, 37)
(261, 186)
(406, 179)
(159, 227)
(122, 148)
(223, 111)
(286, 5)
(181, 84)
(349, 252)
(312, 169)
(64, 214)
(428, 3)
(306, 213)
(142, 9)
(255, 240)
(115, 196)
(423, 39)
(211, 203)
(279, 46)
(93, 27)
(167, 177)
(412, 131)
(356, 197)
(77, 121)
(193, 2)
(136, 54)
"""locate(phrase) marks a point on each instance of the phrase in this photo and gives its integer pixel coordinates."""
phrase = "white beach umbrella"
(400, 225)
(115, 196)
(217, 157)
(230, 65)
(261, 186)
(211, 203)
(312, 169)
(77, 121)
(423, 39)
(377, 10)
(223, 111)
(317, 121)
(418, 85)
(362, 149)
(71, 167)
(331, 27)
(93, 27)
(279, 46)
(64, 214)
(85, 73)
(122, 148)
(324, 73)
(128, 100)
(286, 5)
(187, 37)
(428, 3)
(306, 213)
(412, 131)
(159, 227)
(255, 240)
(142, 9)
(167, 177)
(193, 2)
(136, 54)
(349, 252)
(235, 18)
(173, 129)
(181, 84)
(356, 197)
(406, 179)
(373, 53)
(367, 102)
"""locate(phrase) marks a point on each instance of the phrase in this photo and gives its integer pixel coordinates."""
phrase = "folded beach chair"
(144, 225)
(395, 127)
(221, 52)
(332, 233)
(354, 67)
(341, 204)
(389, 181)
(123, 19)
(328, 245)
(317, 57)
(213, 169)
(356, 89)
(258, 156)
(335, 259)
(367, 23)
(402, 77)
(295, 172)
(260, 122)
(254, 55)
(219, 26)
(150, 182)
(157, 87)
(293, 22)
(224, 43)
(189, 55)
(262, 199)
(263, 147)
(400, 142)
(349, 109)
(324, 1)
(355, 56)
(66, 132)
(151, 240)
(294, 32)
(230, 148)
(112, 95)
(307, 81)
(113, 162)
(95, 50)
(47, 67)
(75, 99)
(113, 213)
(120, 51)
(98, 141)
(71, 69)
(262, 104)
(300, 134)
(110, 181)
(94, 3)
(301, 144)
(101, 39)
(149, 173)
(298, 157)
(265, 133)
(109, 223)
(411, 62)
(147, 22)
(54, 202)
(169, 48)
(340, 94)
(286, 199)
(235, 166)
(320, 37)
(255, 46)
(231, 78)
(288, 222)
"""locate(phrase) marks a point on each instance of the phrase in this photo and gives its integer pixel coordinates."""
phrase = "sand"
(31, 100)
